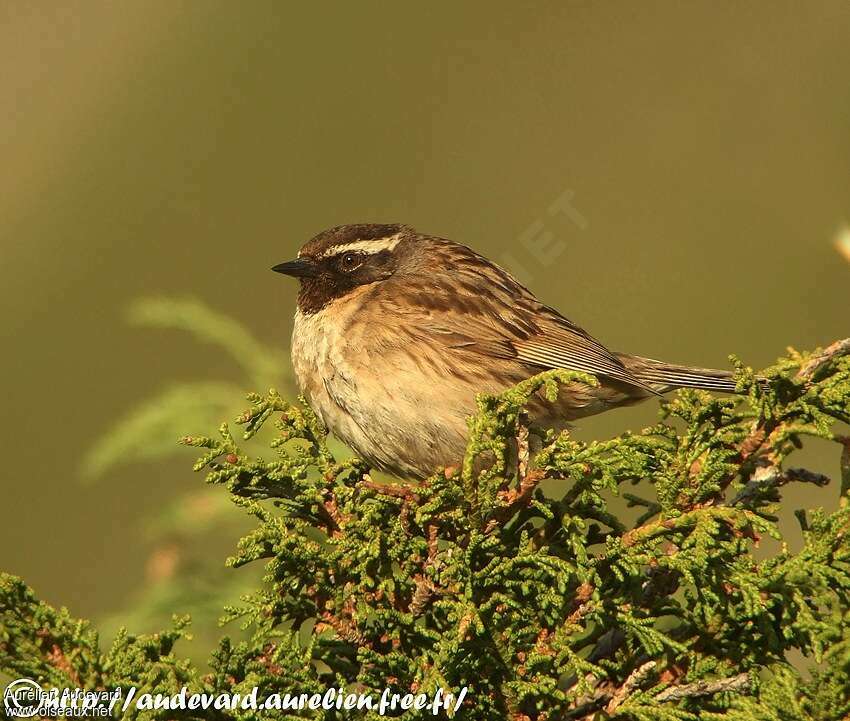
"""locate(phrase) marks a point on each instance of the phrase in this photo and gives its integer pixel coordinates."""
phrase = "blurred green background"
(180, 149)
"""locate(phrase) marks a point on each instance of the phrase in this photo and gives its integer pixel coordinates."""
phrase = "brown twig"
(523, 451)
(59, 660)
(634, 680)
(758, 438)
(762, 432)
(845, 469)
(330, 514)
(431, 532)
(771, 476)
(582, 599)
(390, 489)
(704, 688)
(425, 587)
(421, 596)
(344, 625)
(816, 362)
(265, 658)
(588, 707)
(678, 523)
(514, 499)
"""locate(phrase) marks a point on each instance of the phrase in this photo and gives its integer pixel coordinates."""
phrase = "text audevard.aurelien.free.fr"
(24, 698)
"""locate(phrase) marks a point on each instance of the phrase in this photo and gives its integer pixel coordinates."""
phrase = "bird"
(397, 331)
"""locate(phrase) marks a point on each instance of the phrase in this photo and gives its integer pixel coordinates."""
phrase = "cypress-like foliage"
(545, 606)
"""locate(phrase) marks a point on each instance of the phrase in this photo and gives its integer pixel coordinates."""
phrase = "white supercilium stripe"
(376, 245)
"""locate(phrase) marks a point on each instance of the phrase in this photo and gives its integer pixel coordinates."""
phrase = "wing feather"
(481, 309)
(561, 344)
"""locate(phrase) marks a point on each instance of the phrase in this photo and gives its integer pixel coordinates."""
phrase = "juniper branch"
(545, 606)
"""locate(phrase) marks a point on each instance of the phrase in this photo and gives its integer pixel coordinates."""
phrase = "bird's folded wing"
(553, 343)
(560, 344)
(482, 310)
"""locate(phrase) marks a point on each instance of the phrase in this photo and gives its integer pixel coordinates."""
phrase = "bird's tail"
(663, 377)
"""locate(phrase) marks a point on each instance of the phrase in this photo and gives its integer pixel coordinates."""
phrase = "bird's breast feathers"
(358, 374)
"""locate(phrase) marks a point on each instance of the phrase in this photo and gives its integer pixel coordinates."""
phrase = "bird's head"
(335, 262)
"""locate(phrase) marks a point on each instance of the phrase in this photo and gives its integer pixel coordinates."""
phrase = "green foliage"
(181, 571)
(545, 607)
(148, 431)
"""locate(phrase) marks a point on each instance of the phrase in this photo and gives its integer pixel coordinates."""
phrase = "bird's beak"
(298, 268)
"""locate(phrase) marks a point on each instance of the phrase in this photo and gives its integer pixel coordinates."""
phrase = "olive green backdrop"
(670, 175)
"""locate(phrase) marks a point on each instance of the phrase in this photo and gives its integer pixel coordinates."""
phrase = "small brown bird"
(396, 332)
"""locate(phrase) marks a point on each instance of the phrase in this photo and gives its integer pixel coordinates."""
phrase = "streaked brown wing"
(558, 343)
(481, 309)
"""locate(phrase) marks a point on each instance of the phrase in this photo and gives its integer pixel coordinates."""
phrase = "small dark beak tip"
(298, 268)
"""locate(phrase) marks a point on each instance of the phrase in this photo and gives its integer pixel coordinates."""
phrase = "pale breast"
(356, 372)
(323, 366)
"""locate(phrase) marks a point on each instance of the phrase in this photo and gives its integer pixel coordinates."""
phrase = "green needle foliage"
(181, 572)
(147, 431)
(545, 607)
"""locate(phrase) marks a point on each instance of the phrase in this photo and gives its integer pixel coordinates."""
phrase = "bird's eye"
(350, 261)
